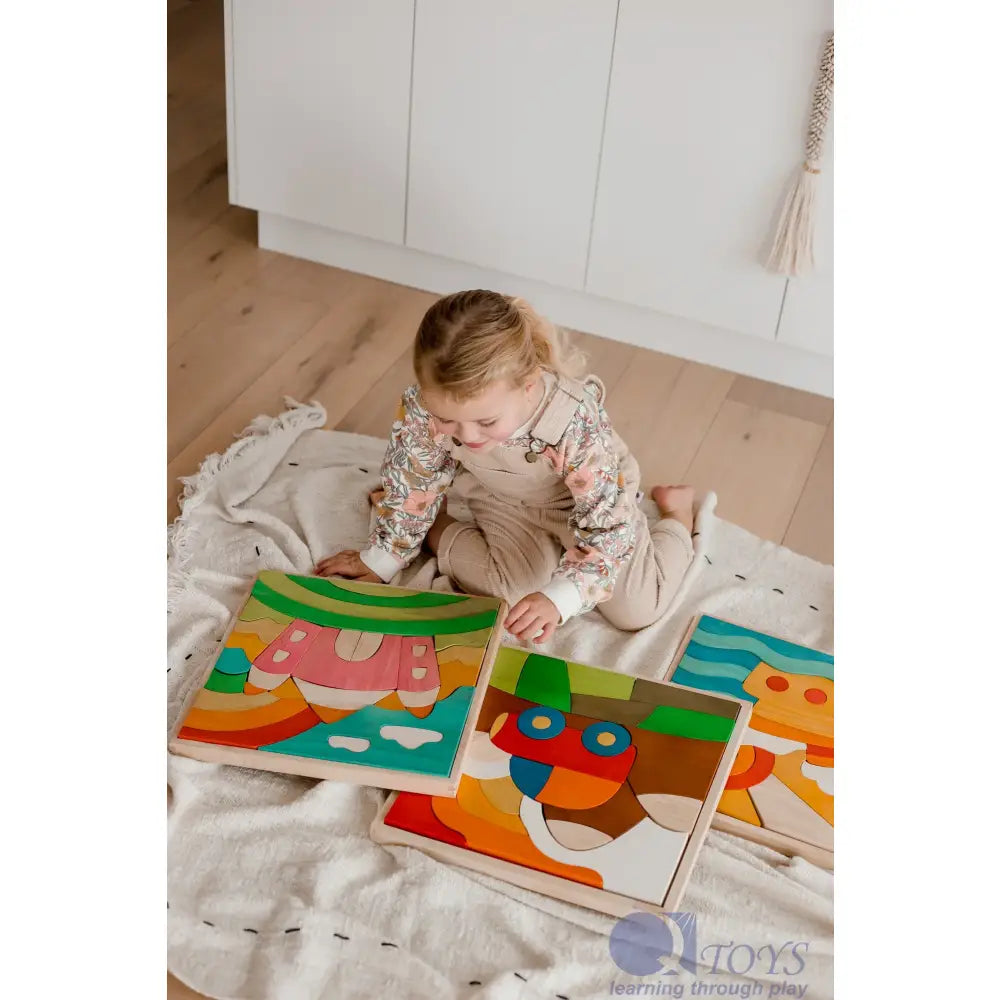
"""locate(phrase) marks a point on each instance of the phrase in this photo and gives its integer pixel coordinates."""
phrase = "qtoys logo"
(648, 944)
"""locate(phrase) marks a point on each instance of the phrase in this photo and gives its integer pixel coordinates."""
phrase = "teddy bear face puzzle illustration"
(580, 782)
(340, 679)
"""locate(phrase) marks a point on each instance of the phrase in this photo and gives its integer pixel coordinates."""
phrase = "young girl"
(553, 489)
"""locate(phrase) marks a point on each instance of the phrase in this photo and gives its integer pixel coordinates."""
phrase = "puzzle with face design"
(339, 679)
(580, 782)
(780, 790)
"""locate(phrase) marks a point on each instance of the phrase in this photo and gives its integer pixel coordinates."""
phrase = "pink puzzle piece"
(323, 665)
(343, 660)
(287, 650)
(418, 665)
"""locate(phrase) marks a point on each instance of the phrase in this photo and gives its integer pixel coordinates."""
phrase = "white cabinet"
(706, 120)
(508, 102)
(319, 111)
(807, 318)
(619, 163)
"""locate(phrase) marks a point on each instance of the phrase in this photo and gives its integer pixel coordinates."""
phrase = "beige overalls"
(521, 508)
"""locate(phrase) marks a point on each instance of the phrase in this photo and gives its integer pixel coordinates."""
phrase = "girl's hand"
(347, 564)
(534, 617)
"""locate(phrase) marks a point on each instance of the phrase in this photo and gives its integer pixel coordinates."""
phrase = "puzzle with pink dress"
(341, 679)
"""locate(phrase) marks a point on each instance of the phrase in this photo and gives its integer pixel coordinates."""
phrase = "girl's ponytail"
(551, 344)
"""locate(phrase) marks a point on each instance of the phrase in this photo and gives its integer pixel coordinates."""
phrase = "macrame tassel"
(792, 251)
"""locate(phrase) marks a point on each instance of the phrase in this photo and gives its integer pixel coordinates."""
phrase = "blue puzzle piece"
(529, 775)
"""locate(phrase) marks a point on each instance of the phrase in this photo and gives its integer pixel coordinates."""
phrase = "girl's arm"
(416, 472)
(602, 520)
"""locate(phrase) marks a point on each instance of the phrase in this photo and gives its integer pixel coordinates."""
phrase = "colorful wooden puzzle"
(780, 790)
(582, 783)
(340, 679)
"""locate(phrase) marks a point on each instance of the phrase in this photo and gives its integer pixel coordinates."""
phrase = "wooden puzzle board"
(340, 679)
(780, 790)
(581, 783)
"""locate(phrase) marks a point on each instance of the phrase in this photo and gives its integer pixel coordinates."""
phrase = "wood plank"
(194, 124)
(189, 22)
(645, 383)
(375, 413)
(195, 175)
(195, 51)
(197, 194)
(757, 461)
(210, 268)
(811, 528)
(607, 359)
(390, 324)
(663, 408)
(307, 280)
(782, 399)
(648, 374)
(241, 224)
(212, 363)
(335, 363)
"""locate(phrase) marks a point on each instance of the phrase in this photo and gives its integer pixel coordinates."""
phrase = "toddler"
(553, 489)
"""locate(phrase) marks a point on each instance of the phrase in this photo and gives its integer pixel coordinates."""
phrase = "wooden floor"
(247, 327)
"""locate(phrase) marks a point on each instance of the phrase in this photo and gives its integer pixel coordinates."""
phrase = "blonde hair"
(468, 340)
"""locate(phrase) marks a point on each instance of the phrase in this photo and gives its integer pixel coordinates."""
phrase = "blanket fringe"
(196, 487)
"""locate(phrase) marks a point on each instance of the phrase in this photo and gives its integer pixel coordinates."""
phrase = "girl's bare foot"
(676, 502)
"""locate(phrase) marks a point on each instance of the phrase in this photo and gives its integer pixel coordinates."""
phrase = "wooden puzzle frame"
(566, 889)
(359, 774)
(782, 842)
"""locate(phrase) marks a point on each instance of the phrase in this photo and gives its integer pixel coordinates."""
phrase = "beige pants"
(513, 550)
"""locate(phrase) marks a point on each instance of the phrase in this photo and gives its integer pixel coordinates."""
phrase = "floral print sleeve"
(602, 519)
(416, 472)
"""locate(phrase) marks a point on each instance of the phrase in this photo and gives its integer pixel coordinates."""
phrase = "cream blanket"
(275, 889)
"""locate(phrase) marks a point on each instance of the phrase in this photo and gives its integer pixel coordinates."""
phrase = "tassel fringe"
(792, 251)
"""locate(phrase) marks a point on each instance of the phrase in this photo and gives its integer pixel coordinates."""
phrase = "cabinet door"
(508, 100)
(807, 316)
(706, 121)
(322, 96)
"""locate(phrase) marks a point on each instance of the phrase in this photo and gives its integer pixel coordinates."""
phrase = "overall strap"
(555, 418)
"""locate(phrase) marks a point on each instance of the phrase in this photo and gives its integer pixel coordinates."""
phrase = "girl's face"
(486, 419)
